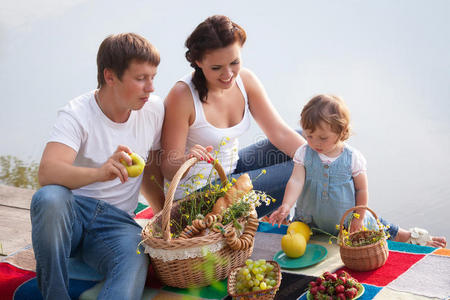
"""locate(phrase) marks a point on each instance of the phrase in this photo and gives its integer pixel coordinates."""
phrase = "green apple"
(137, 165)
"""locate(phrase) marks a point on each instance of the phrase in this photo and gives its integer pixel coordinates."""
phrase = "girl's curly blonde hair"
(329, 109)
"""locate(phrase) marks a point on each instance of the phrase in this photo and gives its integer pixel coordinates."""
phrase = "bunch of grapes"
(256, 276)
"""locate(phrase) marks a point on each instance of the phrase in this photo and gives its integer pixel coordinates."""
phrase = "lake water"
(389, 61)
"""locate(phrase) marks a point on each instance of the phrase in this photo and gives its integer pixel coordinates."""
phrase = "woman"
(208, 110)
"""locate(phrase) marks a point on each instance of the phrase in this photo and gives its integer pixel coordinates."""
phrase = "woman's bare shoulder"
(250, 80)
(180, 94)
(247, 75)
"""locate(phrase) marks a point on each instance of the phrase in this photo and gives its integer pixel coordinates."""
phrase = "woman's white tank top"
(224, 140)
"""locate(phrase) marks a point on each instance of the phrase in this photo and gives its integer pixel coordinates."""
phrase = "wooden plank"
(15, 197)
(15, 229)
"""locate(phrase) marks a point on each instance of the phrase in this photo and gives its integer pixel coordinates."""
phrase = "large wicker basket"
(193, 262)
(363, 258)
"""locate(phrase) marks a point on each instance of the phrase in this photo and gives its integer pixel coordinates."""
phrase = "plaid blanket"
(411, 272)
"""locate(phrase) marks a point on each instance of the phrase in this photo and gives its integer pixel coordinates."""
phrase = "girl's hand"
(201, 153)
(357, 225)
(279, 215)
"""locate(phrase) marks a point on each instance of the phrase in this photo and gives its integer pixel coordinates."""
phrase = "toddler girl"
(330, 176)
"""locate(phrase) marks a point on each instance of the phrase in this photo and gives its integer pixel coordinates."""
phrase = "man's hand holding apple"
(123, 163)
(113, 167)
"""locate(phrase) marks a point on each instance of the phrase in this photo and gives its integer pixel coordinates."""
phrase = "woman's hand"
(278, 216)
(201, 153)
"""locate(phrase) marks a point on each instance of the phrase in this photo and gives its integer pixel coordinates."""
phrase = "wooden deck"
(15, 225)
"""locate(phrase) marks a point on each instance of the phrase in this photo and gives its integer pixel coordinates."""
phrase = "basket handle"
(173, 186)
(341, 225)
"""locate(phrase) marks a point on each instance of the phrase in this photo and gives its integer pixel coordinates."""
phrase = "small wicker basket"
(183, 269)
(363, 258)
(267, 294)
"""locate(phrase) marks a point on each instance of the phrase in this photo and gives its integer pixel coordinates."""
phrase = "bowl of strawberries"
(330, 286)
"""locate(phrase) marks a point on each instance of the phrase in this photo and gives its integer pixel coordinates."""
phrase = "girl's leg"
(56, 233)
(435, 241)
(392, 229)
(402, 235)
(110, 247)
(259, 155)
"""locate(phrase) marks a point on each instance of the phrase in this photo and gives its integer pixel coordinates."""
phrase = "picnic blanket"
(411, 272)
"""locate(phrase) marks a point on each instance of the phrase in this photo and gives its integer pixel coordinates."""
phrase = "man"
(87, 200)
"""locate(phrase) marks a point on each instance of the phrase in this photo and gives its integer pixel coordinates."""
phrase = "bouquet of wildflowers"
(201, 203)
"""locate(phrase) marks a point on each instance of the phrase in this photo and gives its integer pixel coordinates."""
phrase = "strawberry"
(312, 284)
(326, 274)
(340, 289)
(342, 280)
(319, 280)
(313, 290)
(322, 288)
(342, 273)
(341, 296)
(331, 277)
(350, 283)
(351, 292)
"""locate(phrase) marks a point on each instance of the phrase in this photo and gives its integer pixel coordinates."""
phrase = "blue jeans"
(64, 225)
(264, 155)
(392, 230)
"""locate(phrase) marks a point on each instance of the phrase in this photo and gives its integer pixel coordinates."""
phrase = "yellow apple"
(137, 165)
(300, 227)
(293, 245)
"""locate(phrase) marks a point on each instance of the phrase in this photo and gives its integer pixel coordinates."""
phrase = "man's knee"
(50, 199)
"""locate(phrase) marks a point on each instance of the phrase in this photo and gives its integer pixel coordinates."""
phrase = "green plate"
(360, 292)
(313, 254)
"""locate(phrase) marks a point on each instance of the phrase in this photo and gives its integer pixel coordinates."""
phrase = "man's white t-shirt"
(82, 126)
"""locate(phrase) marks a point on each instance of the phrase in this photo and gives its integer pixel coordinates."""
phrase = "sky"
(389, 60)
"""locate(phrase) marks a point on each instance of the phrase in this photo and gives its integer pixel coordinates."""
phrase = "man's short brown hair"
(118, 50)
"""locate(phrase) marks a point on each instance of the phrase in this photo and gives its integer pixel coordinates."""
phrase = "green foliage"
(235, 211)
(16, 172)
(200, 203)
